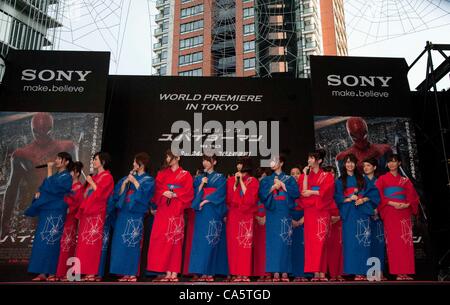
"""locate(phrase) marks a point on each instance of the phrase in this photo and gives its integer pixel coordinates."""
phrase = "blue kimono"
(378, 245)
(132, 206)
(110, 219)
(279, 204)
(209, 254)
(51, 210)
(356, 232)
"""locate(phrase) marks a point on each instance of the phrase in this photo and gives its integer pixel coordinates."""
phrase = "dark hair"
(393, 157)
(282, 158)
(371, 161)
(261, 171)
(247, 165)
(67, 157)
(318, 154)
(171, 155)
(104, 158)
(359, 177)
(329, 169)
(211, 158)
(143, 159)
(76, 166)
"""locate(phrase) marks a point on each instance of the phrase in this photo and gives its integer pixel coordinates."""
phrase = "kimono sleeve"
(185, 194)
(218, 196)
(380, 185)
(326, 192)
(412, 197)
(98, 199)
(198, 194)
(231, 192)
(140, 200)
(160, 188)
(344, 207)
(57, 185)
(265, 195)
(292, 190)
(117, 198)
(249, 200)
(370, 191)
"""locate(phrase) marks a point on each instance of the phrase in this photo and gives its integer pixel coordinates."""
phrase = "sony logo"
(57, 75)
(362, 81)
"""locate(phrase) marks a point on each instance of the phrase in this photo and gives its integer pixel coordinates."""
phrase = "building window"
(249, 29)
(162, 71)
(190, 58)
(249, 46)
(249, 12)
(249, 63)
(191, 26)
(195, 72)
(192, 11)
(191, 42)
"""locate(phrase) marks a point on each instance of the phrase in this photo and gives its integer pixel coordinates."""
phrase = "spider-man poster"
(51, 102)
(29, 139)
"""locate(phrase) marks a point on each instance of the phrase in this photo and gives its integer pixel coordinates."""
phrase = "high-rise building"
(246, 37)
(28, 24)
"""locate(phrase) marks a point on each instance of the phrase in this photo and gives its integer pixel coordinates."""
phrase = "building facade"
(246, 38)
(28, 25)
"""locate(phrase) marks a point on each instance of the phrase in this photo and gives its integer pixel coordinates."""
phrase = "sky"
(133, 34)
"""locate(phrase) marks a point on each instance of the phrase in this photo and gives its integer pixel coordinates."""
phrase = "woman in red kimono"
(399, 202)
(242, 202)
(317, 190)
(69, 236)
(335, 259)
(173, 194)
(259, 236)
(91, 214)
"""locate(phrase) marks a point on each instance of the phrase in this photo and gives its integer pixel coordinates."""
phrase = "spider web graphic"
(373, 21)
(94, 25)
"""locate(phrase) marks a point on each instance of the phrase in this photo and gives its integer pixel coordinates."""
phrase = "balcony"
(160, 3)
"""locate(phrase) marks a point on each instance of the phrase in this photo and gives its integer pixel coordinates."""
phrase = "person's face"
(136, 166)
(96, 163)
(75, 174)
(350, 165)
(239, 167)
(312, 161)
(276, 164)
(172, 161)
(207, 165)
(295, 172)
(368, 168)
(393, 165)
(59, 163)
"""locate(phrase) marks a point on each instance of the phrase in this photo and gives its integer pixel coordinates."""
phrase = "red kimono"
(259, 244)
(69, 236)
(91, 214)
(398, 223)
(335, 259)
(190, 221)
(317, 219)
(239, 226)
(166, 240)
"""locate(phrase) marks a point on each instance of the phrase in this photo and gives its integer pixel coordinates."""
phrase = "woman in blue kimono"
(298, 243)
(378, 245)
(111, 215)
(135, 193)
(208, 256)
(49, 206)
(355, 198)
(278, 193)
